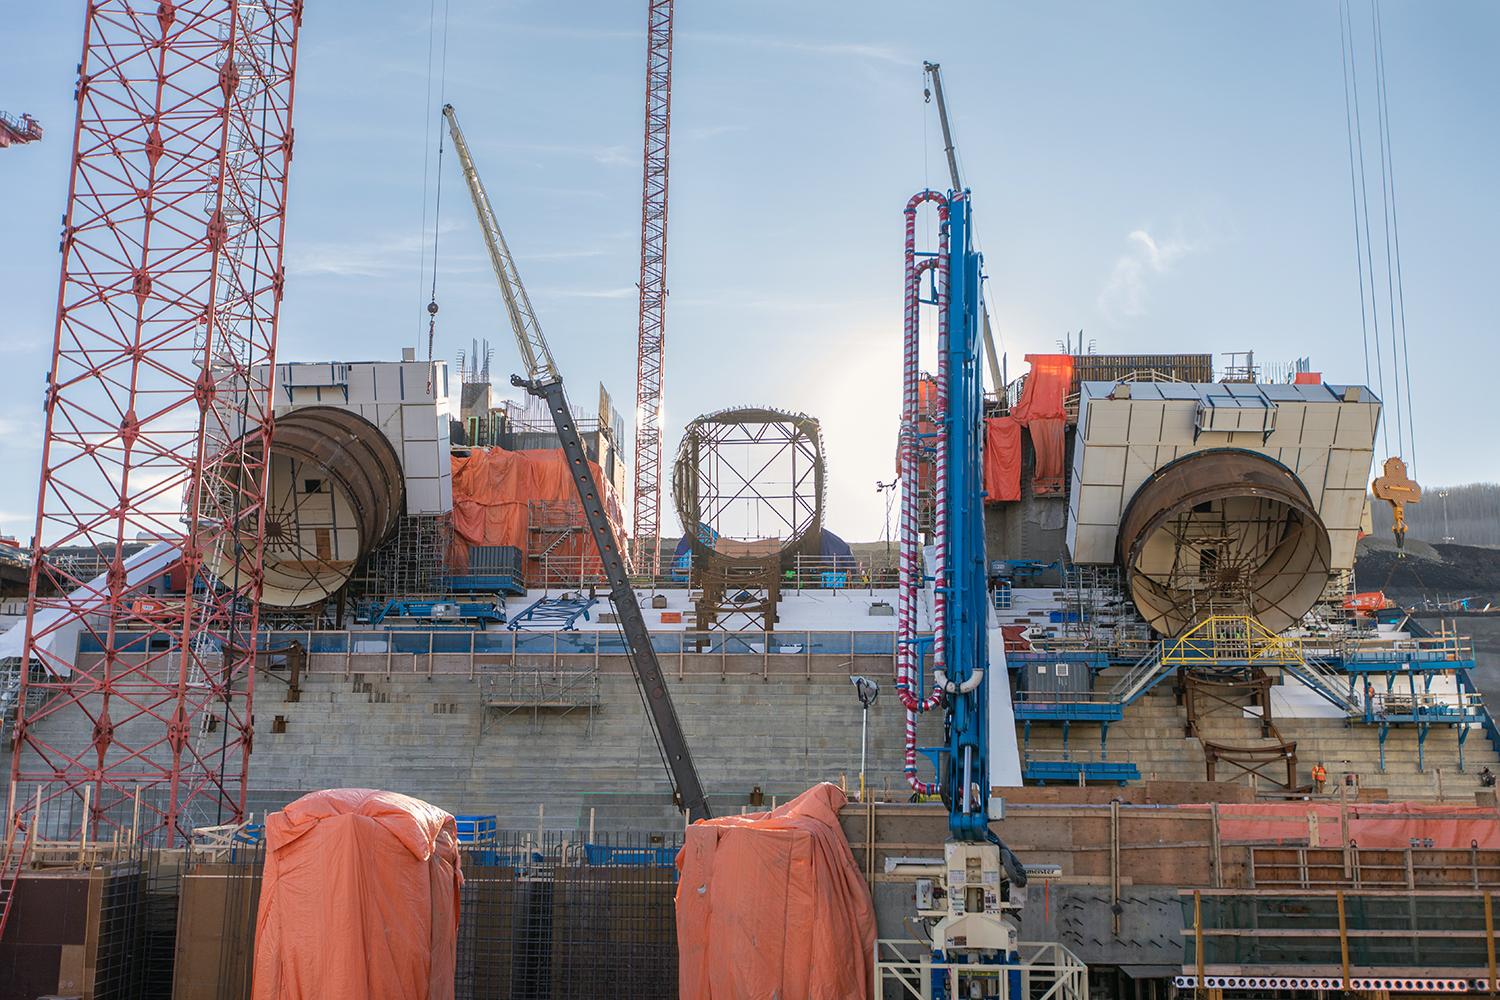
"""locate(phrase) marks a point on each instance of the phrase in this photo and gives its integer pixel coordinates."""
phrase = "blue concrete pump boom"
(966, 779)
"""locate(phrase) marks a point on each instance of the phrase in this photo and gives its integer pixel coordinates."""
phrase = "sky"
(1164, 176)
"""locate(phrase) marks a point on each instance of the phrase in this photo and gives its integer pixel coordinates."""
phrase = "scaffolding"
(412, 562)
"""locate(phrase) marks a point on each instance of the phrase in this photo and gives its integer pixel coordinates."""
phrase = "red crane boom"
(651, 343)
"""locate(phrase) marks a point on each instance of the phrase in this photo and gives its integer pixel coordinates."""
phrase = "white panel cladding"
(387, 382)
(1311, 468)
(1341, 546)
(419, 459)
(1094, 543)
(1146, 418)
(1177, 422)
(1289, 418)
(1326, 442)
(1356, 428)
(362, 384)
(1102, 466)
(410, 403)
(1319, 425)
(1342, 508)
(1109, 421)
(1099, 505)
(419, 422)
(388, 419)
(425, 496)
(1140, 462)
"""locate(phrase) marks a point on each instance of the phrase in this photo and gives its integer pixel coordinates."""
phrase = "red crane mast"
(158, 407)
(651, 342)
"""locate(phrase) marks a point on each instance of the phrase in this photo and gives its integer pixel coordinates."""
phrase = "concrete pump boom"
(543, 379)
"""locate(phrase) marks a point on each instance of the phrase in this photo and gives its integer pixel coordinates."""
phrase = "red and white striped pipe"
(910, 573)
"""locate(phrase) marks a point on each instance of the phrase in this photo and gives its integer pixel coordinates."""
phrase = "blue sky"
(1169, 176)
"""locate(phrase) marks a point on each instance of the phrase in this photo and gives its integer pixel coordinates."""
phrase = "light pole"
(868, 691)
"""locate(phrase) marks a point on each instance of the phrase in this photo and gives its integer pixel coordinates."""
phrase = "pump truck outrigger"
(543, 380)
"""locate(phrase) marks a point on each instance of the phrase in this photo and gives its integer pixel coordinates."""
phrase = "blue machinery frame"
(965, 781)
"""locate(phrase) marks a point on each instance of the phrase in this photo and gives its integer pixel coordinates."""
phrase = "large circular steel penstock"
(1223, 531)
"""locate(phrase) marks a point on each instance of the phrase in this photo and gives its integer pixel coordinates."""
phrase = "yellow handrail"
(1231, 637)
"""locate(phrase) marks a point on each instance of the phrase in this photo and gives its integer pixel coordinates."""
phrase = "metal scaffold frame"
(651, 342)
(170, 289)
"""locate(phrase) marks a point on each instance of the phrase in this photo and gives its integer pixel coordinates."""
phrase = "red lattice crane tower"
(651, 344)
(158, 411)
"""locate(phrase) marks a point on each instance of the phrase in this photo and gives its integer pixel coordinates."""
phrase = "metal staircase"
(1326, 682)
(1146, 673)
(1240, 640)
(553, 613)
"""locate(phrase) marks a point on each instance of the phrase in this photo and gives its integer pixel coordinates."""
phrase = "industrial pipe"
(1223, 531)
(909, 575)
(335, 492)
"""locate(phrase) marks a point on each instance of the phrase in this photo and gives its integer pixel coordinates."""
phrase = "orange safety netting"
(1042, 409)
(1370, 825)
(773, 905)
(493, 490)
(359, 899)
(1002, 459)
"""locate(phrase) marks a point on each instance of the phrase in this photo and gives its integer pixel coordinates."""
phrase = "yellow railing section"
(1231, 638)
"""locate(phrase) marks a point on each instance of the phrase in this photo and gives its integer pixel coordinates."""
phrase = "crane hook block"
(1398, 489)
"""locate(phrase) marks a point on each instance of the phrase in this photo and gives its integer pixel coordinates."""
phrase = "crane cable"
(1394, 235)
(1363, 208)
(432, 305)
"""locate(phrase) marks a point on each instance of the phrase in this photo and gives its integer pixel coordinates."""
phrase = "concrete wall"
(435, 737)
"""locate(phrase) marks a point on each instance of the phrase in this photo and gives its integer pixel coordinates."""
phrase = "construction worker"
(1319, 775)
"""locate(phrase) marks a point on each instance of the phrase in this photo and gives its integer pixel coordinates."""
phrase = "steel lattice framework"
(156, 410)
(651, 344)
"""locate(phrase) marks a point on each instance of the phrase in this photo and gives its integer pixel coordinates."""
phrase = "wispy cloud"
(626, 292)
(842, 49)
(608, 156)
(17, 344)
(565, 254)
(1127, 290)
(380, 256)
(709, 131)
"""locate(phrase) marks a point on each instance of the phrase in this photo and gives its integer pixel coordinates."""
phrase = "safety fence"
(1347, 934)
(542, 916)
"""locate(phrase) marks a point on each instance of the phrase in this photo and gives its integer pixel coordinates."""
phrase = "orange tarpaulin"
(359, 899)
(493, 488)
(1045, 393)
(1371, 825)
(1050, 443)
(1002, 459)
(773, 905)
(1042, 409)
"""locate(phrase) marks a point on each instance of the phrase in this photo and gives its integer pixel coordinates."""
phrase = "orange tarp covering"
(1002, 459)
(773, 905)
(1049, 441)
(1373, 826)
(1045, 393)
(492, 489)
(359, 899)
(1043, 410)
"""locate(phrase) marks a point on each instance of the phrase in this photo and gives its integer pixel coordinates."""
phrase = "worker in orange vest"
(1319, 775)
